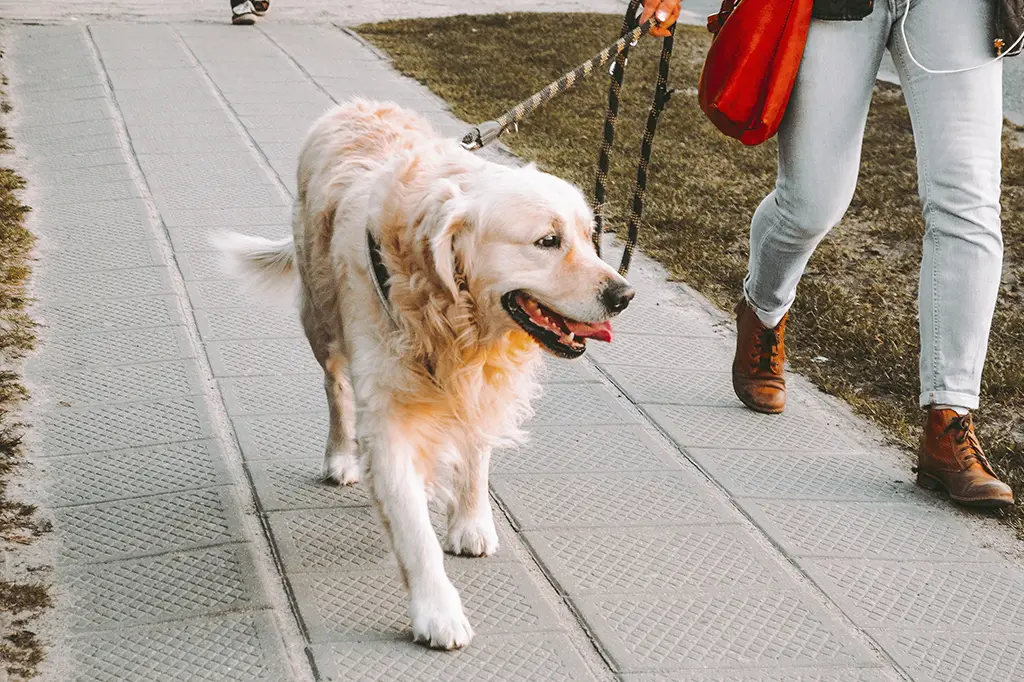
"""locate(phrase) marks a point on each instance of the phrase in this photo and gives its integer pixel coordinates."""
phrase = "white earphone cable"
(903, 34)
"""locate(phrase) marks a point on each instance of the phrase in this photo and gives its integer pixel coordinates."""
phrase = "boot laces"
(766, 350)
(967, 440)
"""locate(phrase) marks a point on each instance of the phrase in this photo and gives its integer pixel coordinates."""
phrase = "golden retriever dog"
(485, 266)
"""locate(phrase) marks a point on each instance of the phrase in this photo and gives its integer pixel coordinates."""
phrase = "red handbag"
(752, 64)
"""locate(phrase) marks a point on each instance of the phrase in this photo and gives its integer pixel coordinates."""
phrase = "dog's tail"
(266, 265)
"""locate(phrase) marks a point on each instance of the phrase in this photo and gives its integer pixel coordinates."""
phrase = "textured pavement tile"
(234, 648)
(218, 170)
(960, 657)
(152, 281)
(679, 559)
(147, 525)
(167, 587)
(57, 181)
(866, 530)
(68, 431)
(350, 539)
(85, 191)
(106, 349)
(219, 294)
(71, 145)
(674, 386)
(83, 317)
(298, 484)
(291, 436)
(93, 258)
(679, 352)
(568, 405)
(195, 169)
(129, 383)
(171, 198)
(804, 475)
(42, 164)
(830, 674)
(331, 540)
(274, 394)
(262, 357)
(185, 239)
(154, 79)
(558, 371)
(666, 320)
(498, 598)
(653, 631)
(207, 145)
(593, 449)
(652, 498)
(925, 596)
(491, 658)
(58, 133)
(122, 474)
(239, 324)
(279, 216)
(741, 429)
(118, 220)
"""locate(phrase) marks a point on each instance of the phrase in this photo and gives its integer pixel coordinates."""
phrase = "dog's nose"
(616, 296)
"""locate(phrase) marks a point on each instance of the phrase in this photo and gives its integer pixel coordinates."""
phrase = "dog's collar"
(380, 274)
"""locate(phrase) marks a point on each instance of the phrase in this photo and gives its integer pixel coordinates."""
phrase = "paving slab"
(652, 529)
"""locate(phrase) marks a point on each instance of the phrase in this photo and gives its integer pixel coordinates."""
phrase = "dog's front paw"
(439, 622)
(472, 537)
(341, 468)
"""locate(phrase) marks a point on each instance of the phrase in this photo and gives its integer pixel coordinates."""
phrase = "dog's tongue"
(602, 331)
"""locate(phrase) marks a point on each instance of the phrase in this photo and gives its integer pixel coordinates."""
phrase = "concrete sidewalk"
(653, 530)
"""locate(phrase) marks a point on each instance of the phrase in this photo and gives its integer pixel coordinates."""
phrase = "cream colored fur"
(428, 394)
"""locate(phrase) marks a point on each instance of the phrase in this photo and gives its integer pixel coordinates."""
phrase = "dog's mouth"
(560, 335)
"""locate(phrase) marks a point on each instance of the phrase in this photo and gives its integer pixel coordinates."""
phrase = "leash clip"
(481, 136)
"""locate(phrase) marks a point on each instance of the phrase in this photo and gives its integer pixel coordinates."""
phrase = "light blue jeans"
(957, 121)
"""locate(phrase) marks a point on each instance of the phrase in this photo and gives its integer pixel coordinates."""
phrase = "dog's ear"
(444, 217)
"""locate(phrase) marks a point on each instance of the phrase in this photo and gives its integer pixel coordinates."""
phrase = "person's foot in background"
(244, 12)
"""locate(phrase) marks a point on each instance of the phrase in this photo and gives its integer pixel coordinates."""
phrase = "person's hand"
(665, 11)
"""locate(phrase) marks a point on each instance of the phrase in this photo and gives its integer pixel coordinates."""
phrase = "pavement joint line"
(213, 401)
(254, 147)
(834, 608)
(298, 65)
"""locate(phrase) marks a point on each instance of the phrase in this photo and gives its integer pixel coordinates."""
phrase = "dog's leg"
(341, 464)
(399, 494)
(471, 529)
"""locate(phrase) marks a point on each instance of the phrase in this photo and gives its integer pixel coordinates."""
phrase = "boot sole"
(754, 406)
(243, 20)
(929, 482)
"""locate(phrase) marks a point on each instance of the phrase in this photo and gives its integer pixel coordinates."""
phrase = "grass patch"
(857, 300)
(20, 602)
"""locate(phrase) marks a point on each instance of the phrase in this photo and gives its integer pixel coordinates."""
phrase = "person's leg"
(819, 157)
(957, 120)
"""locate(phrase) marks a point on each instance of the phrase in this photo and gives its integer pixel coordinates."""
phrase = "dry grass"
(857, 301)
(20, 602)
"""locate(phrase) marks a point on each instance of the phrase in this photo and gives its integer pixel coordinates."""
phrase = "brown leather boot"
(758, 368)
(951, 459)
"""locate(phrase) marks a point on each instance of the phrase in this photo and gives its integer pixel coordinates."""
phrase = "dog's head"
(519, 241)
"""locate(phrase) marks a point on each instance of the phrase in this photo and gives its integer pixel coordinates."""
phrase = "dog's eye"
(552, 241)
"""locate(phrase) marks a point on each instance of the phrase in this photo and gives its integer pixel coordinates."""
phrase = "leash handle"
(662, 94)
(610, 117)
(489, 131)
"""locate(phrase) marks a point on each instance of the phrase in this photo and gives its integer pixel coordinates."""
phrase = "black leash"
(488, 132)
